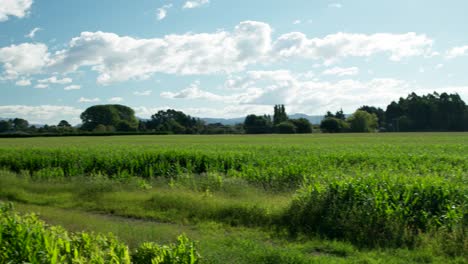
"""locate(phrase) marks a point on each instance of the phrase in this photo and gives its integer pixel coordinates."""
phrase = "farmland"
(363, 198)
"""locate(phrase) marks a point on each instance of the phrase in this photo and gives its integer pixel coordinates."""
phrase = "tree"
(302, 125)
(279, 114)
(333, 125)
(5, 126)
(176, 122)
(379, 112)
(338, 115)
(20, 124)
(64, 123)
(108, 115)
(362, 121)
(254, 124)
(286, 127)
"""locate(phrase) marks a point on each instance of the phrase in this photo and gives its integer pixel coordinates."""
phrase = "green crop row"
(268, 166)
(26, 239)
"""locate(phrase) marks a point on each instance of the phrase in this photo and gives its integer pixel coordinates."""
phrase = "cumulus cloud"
(41, 86)
(41, 114)
(142, 93)
(341, 45)
(119, 58)
(341, 71)
(88, 100)
(161, 13)
(23, 59)
(457, 52)
(17, 8)
(55, 80)
(305, 95)
(33, 32)
(23, 82)
(195, 3)
(72, 87)
(115, 100)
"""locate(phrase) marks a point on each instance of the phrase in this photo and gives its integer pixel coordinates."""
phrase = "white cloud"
(119, 58)
(88, 100)
(296, 22)
(312, 96)
(439, 66)
(115, 100)
(41, 114)
(162, 11)
(143, 93)
(23, 82)
(72, 87)
(341, 71)
(335, 5)
(55, 80)
(457, 52)
(18, 8)
(341, 45)
(195, 3)
(23, 59)
(33, 32)
(41, 86)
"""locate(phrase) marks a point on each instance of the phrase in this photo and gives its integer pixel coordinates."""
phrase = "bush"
(26, 239)
(368, 212)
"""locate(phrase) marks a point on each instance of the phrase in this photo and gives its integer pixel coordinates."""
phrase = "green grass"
(256, 199)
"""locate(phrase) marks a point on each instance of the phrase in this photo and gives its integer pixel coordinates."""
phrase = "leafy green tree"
(286, 127)
(64, 123)
(279, 114)
(5, 126)
(379, 112)
(333, 125)
(176, 122)
(108, 115)
(303, 126)
(254, 124)
(20, 124)
(362, 121)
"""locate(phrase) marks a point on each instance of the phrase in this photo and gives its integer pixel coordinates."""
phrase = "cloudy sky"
(219, 58)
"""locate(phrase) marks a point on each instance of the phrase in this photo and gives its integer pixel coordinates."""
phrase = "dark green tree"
(254, 124)
(5, 126)
(333, 125)
(379, 112)
(176, 122)
(286, 127)
(64, 123)
(108, 116)
(279, 114)
(302, 125)
(20, 124)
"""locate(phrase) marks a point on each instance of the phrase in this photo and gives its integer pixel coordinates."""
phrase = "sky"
(220, 58)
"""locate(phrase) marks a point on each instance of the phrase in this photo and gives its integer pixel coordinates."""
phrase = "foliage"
(279, 115)
(431, 112)
(254, 124)
(379, 112)
(383, 212)
(302, 125)
(176, 122)
(362, 121)
(28, 239)
(333, 125)
(286, 127)
(108, 116)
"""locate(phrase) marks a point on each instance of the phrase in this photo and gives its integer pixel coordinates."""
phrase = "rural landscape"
(294, 140)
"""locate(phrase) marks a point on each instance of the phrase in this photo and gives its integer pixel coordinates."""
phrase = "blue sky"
(214, 58)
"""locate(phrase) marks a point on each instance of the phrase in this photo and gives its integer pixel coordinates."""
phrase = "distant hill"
(314, 119)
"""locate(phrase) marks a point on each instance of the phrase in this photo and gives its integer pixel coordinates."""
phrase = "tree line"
(431, 112)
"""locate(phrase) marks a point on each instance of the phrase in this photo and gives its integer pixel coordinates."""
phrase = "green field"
(320, 198)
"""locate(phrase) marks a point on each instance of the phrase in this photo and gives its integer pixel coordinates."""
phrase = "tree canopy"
(113, 117)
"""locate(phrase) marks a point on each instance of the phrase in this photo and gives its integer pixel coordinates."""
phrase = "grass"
(354, 198)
